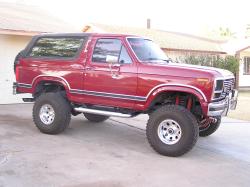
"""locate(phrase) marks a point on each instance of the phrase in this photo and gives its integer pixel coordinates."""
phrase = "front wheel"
(51, 113)
(172, 130)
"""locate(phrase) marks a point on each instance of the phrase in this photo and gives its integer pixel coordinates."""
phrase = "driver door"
(110, 84)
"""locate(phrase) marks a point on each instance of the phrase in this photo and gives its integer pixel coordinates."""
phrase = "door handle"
(115, 76)
(116, 65)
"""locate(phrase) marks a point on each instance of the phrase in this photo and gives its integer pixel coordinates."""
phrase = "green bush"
(230, 63)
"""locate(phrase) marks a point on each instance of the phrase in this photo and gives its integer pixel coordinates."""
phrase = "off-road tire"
(95, 118)
(185, 120)
(210, 129)
(61, 109)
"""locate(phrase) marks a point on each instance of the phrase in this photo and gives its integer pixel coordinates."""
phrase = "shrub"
(230, 63)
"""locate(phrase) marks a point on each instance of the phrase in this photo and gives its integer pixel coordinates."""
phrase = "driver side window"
(110, 47)
(105, 47)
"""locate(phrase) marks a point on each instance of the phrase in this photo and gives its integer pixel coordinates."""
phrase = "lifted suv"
(103, 75)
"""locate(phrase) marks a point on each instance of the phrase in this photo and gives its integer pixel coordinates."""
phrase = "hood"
(217, 71)
(184, 70)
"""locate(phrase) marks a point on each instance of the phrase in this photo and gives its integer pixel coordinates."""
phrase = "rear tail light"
(17, 73)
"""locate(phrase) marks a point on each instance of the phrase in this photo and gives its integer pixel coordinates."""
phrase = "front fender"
(178, 88)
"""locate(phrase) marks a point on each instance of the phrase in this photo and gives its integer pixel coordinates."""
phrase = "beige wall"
(10, 45)
(244, 80)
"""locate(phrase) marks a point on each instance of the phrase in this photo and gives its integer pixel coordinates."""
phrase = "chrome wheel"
(47, 114)
(169, 132)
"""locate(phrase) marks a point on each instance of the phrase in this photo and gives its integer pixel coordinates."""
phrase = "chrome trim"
(221, 108)
(233, 101)
(169, 131)
(47, 114)
(110, 95)
(220, 91)
(23, 85)
(221, 104)
(14, 88)
(101, 112)
(181, 85)
(51, 76)
(88, 92)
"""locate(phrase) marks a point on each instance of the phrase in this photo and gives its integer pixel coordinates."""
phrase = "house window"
(246, 65)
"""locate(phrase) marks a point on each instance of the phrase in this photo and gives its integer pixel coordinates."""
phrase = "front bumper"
(221, 108)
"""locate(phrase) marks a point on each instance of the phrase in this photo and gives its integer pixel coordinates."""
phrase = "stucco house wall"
(10, 45)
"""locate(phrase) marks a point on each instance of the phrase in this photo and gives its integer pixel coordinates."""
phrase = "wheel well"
(187, 100)
(48, 86)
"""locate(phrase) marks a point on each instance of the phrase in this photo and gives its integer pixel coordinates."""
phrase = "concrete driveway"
(115, 153)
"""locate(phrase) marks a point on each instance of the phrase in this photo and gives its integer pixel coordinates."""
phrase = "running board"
(101, 112)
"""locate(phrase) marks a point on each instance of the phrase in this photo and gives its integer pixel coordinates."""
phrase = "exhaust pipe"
(101, 112)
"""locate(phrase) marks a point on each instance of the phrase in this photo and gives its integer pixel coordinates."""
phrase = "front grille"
(228, 86)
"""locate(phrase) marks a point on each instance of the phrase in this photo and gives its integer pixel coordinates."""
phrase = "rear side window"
(56, 47)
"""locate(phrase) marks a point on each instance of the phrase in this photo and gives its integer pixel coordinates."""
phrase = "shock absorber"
(189, 103)
(177, 100)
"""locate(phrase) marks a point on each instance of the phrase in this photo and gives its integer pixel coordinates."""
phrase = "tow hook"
(213, 120)
(205, 122)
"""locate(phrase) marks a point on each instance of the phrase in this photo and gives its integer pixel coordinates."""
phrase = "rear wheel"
(172, 130)
(95, 118)
(210, 128)
(51, 113)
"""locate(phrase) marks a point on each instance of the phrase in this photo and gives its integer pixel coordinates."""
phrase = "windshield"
(147, 50)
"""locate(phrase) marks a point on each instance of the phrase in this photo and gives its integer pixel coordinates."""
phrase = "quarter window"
(105, 47)
(124, 57)
(56, 47)
(247, 65)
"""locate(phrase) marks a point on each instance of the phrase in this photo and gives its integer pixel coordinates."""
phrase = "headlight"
(218, 85)
(218, 89)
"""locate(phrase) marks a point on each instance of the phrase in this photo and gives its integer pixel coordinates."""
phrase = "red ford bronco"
(103, 75)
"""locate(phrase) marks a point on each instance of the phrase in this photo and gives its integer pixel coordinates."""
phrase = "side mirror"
(111, 59)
